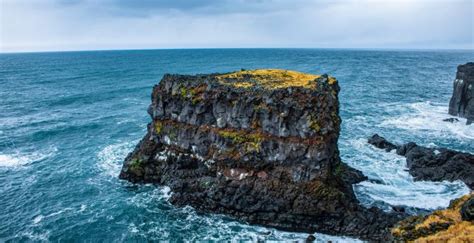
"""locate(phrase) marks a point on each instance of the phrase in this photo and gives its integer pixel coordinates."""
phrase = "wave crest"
(111, 157)
(428, 117)
(18, 159)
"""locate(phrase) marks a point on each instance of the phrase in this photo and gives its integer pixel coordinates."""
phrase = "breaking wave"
(18, 159)
(428, 117)
(391, 183)
(111, 157)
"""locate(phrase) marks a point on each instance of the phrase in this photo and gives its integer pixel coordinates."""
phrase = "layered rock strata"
(258, 145)
(433, 164)
(462, 101)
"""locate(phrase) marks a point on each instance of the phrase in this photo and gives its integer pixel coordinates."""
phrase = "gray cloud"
(123, 24)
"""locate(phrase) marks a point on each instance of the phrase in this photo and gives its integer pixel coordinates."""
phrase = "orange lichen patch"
(440, 226)
(461, 232)
(268, 78)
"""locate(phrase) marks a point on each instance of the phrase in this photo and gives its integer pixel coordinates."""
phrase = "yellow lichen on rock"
(440, 226)
(269, 78)
(461, 232)
(158, 127)
(250, 141)
(243, 84)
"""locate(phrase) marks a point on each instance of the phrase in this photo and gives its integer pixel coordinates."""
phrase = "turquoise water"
(68, 119)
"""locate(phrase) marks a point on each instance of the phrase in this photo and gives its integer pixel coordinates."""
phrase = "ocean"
(68, 119)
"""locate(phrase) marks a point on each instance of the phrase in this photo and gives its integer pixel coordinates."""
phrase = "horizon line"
(236, 48)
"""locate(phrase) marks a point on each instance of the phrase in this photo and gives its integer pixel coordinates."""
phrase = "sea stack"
(462, 101)
(258, 145)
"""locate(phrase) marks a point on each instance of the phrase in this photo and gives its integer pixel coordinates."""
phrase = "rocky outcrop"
(258, 145)
(448, 225)
(462, 101)
(433, 164)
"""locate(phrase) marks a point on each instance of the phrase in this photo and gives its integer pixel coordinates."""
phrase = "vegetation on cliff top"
(440, 226)
(270, 79)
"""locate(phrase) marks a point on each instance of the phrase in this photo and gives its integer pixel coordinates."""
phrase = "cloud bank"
(52, 25)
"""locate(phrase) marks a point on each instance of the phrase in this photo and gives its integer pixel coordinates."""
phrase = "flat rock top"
(270, 79)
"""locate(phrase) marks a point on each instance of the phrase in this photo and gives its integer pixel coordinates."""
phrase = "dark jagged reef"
(433, 164)
(462, 101)
(258, 145)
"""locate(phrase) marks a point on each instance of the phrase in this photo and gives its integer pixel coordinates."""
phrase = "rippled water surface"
(67, 120)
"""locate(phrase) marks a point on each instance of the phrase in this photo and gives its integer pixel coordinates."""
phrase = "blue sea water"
(68, 119)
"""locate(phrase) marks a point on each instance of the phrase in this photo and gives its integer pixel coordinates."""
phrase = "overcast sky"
(52, 25)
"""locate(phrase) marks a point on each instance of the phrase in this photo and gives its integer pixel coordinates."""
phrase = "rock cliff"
(258, 145)
(462, 101)
(433, 164)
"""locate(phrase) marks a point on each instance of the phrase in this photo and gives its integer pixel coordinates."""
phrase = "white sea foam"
(83, 208)
(398, 186)
(18, 159)
(428, 117)
(155, 195)
(38, 219)
(10, 161)
(111, 157)
(35, 237)
(200, 227)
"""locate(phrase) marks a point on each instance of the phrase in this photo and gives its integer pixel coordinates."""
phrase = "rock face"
(258, 145)
(448, 225)
(433, 164)
(462, 101)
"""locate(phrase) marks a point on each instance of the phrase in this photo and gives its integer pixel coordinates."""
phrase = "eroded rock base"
(268, 196)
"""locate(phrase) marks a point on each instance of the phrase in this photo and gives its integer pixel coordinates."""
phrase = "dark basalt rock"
(467, 210)
(462, 101)
(433, 164)
(310, 238)
(381, 143)
(260, 146)
(399, 209)
(452, 120)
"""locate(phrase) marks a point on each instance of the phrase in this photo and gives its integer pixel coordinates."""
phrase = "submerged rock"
(310, 238)
(452, 120)
(462, 101)
(258, 145)
(382, 143)
(448, 225)
(433, 164)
